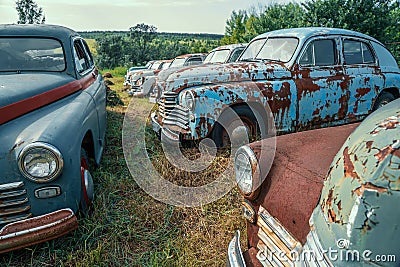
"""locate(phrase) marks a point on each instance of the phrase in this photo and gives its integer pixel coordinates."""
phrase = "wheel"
(87, 185)
(383, 99)
(235, 127)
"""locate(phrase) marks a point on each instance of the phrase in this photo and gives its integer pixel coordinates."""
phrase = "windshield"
(278, 49)
(31, 54)
(178, 62)
(252, 50)
(219, 56)
(275, 49)
(208, 57)
(156, 65)
(165, 65)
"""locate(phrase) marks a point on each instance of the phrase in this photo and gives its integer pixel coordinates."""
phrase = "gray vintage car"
(296, 217)
(52, 122)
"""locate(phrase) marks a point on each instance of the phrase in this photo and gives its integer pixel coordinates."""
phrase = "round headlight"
(246, 169)
(40, 162)
(188, 100)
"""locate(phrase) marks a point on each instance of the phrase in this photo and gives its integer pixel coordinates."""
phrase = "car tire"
(87, 185)
(383, 99)
(220, 135)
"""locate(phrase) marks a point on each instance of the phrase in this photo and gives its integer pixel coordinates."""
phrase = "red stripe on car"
(22, 107)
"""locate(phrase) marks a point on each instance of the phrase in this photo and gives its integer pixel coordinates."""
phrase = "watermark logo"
(191, 114)
(343, 243)
(341, 253)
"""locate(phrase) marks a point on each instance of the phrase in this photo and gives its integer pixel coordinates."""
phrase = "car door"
(90, 80)
(322, 96)
(365, 79)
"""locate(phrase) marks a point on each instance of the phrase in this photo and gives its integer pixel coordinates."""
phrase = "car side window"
(357, 52)
(82, 62)
(319, 53)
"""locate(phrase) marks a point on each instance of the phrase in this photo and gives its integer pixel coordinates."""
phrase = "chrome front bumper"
(166, 135)
(38, 229)
(154, 123)
(235, 256)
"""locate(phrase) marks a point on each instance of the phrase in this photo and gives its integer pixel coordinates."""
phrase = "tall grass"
(130, 228)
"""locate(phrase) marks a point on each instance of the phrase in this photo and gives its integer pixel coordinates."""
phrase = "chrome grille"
(14, 203)
(171, 113)
(313, 253)
(277, 247)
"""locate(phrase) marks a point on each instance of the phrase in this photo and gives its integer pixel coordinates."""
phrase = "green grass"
(117, 72)
(130, 228)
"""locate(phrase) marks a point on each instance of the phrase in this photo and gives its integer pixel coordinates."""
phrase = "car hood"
(367, 162)
(42, 124)
(220, 73)
(144, 73)
(17, 87)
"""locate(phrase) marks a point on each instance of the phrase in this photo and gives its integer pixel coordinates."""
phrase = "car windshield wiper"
(270, 60)
(250, 60)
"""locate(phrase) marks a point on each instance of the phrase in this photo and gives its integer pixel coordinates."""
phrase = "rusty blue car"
(305, 77)
(329, 199)
(52, 128)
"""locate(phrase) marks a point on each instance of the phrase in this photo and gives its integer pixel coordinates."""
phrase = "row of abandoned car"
(326, 197)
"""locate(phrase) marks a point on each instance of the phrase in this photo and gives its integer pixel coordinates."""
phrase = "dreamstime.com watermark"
(162, 189)
(341, 253)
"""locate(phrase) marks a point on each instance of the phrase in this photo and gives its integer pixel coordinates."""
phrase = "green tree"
(29, 12)
(241, 27)
(279, 16)
(235, 29)
(142, 36)
(111, 51)
(392, 32)
(368, 16)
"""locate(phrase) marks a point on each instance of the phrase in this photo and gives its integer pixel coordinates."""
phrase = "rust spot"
(397, 153)
(331, 216)
(349, 170)
(344, 104)
(369, 186)
(384, 152)
(362, 92)
(369, 144)
(316, 112)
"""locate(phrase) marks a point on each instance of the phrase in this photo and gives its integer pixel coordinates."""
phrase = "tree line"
(143, 43)
(377, 18)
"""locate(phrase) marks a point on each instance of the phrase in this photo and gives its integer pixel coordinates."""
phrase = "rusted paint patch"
(369, 186)
(349, 170)
(386, 151)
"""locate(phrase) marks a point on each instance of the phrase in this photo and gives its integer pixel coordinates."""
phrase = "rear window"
(356, 52)
(31, 54)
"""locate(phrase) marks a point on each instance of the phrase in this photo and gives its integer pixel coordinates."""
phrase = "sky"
(188, 16)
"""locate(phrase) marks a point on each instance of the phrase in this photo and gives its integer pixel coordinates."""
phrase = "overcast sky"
(192, 16)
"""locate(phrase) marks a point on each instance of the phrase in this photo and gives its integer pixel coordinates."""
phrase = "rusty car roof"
(55, 31)
(229, 46)
(307, 32)
(190, 55)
